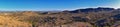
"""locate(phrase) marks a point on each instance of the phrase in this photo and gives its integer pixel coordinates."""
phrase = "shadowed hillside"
(89, 17)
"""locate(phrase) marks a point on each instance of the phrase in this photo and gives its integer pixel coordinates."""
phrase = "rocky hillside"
(89, 17)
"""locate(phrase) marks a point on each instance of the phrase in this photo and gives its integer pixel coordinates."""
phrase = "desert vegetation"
(89, 17)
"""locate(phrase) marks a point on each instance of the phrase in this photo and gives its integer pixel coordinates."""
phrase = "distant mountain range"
(92, 10)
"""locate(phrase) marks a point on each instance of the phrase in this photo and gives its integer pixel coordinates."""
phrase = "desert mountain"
(89, 17)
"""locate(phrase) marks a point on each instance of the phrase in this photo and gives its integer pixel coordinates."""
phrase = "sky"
(50, 5)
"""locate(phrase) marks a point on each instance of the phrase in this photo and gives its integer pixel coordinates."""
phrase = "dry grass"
(9, 22)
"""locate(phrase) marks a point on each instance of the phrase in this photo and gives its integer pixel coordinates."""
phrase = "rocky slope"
(89, 17)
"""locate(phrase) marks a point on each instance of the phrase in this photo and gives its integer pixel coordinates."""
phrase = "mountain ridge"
(89, 17)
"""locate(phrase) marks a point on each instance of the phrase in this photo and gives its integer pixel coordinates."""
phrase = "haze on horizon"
(49, 5)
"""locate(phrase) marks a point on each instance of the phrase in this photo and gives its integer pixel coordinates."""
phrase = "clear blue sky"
(48, 5)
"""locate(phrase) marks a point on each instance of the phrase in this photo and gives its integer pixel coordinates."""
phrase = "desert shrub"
(79, 19)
